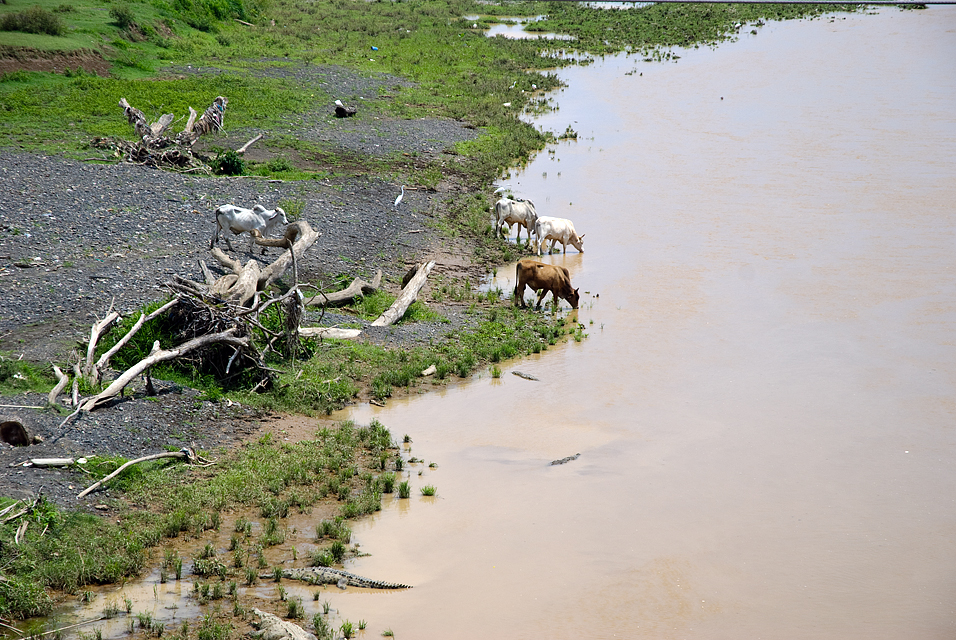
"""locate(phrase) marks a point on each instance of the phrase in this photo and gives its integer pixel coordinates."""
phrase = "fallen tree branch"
(160, 355)
(243, 148)
(407, 297)
(185, 453)
(358, 287)
(329, 332)
(62, 381)
(95, 333)
(105, 358)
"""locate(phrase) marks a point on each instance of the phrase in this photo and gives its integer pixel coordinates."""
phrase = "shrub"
(122, 14)
(34, 20)
(229, 163)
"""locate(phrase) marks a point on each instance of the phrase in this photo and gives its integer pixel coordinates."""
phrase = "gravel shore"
(77, 236)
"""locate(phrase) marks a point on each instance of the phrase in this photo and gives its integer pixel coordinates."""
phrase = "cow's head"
(279, 212)
(574, 298)
(577, 241)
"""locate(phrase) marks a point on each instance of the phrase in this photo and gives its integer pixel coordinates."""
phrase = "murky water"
(765, 406)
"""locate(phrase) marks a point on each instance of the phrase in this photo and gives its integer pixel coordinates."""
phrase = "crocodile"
(327, 575)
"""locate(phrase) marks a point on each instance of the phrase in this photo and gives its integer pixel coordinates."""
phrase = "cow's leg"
(215, 237)
(519, 294)
(541, 295)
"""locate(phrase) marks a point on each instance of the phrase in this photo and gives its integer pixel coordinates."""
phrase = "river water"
(765, 404)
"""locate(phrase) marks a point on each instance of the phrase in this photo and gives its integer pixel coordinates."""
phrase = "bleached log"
(159, 127)
(329, 332)
(43, 463)
(62, 380)
(305, 237)
(357, 288)
(160, 355)
(184, 453)
(244, 147)
(95, 333)
(105, 358)
(407, 297)
(75, 391)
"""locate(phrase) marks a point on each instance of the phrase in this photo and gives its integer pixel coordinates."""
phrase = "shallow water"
(765, 403)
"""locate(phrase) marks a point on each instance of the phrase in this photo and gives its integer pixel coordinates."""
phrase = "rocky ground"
(76, 237)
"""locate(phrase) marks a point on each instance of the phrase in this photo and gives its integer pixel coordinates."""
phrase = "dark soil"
(76, 237)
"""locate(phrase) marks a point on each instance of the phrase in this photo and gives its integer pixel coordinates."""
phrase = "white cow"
(240, 220)
(520, 212)
(557, 230)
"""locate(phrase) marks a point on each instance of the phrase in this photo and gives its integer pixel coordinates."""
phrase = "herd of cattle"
(529, 273)
(541, 277)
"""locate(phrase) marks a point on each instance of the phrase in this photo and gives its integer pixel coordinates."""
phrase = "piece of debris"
(526, 376)
(342, 111)
(429, 371)
(565, 460)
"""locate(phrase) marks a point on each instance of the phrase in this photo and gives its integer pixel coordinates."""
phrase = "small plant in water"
(404, 489)
(388, 633)
(87, 597)
(295, 609)
(277, 574)
(321, 627)
(326, 607)
(495, 371)
(111, 610)
(129, 604)
(347, 630)
(361, 625)
(428, 490)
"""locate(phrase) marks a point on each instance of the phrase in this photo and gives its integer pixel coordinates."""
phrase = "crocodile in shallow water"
(327, 575)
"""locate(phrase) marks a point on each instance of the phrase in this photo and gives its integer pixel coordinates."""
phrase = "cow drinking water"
(557, 230)
(544, 278)
(520, 212)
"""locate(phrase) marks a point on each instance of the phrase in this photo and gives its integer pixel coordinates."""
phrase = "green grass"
(70, 550)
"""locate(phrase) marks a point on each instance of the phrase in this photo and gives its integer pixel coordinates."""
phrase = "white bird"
(502, 188)
(398, 200)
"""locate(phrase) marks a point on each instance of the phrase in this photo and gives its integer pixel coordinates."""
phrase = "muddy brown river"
(765, 404)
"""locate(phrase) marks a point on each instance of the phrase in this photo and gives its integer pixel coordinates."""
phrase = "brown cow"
(544, 278)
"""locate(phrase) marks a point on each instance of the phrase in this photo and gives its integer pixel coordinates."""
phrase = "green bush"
(122, 14)
(229, 163)
(34, 20)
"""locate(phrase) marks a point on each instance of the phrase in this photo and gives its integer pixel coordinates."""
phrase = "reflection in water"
(764, 405)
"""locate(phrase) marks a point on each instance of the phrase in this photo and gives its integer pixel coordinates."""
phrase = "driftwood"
(357, 288)
(159, 355)
(155, 148)
(244, 147)
(184, 453)
(43, 463)
(98, 329)
(407, 297)
(246, 280)
(61, 381)
(94, 373)
(329, 332)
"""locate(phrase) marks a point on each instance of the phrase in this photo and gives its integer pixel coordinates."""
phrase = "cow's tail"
(215, 235)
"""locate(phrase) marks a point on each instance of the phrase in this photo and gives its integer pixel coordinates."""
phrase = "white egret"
(398, 200)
